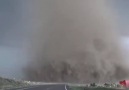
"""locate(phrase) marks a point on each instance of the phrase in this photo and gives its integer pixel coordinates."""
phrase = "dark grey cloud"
(11, 25)
(121, 7)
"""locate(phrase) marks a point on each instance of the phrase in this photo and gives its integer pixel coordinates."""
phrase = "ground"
(9, 84)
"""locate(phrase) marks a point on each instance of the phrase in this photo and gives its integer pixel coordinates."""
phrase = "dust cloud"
(73, 41)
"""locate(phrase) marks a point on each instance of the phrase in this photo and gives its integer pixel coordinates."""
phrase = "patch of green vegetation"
(94, 86)
(8, 83)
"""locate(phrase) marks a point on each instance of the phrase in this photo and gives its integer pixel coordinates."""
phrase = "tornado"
(73, 41)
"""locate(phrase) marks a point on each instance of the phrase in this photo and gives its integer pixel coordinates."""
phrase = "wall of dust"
(72, 41)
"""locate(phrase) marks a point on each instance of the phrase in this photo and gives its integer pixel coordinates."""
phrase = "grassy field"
(8, 84)
(93, 86)
(97, 88)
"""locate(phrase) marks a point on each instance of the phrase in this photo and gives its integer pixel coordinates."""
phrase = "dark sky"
(122, 9)
(11, 29)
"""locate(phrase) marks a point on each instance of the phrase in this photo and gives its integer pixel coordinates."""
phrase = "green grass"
(94, 86)
(8, 83)
(97, 88)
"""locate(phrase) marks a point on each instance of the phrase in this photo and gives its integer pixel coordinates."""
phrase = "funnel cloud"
(73, 41)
